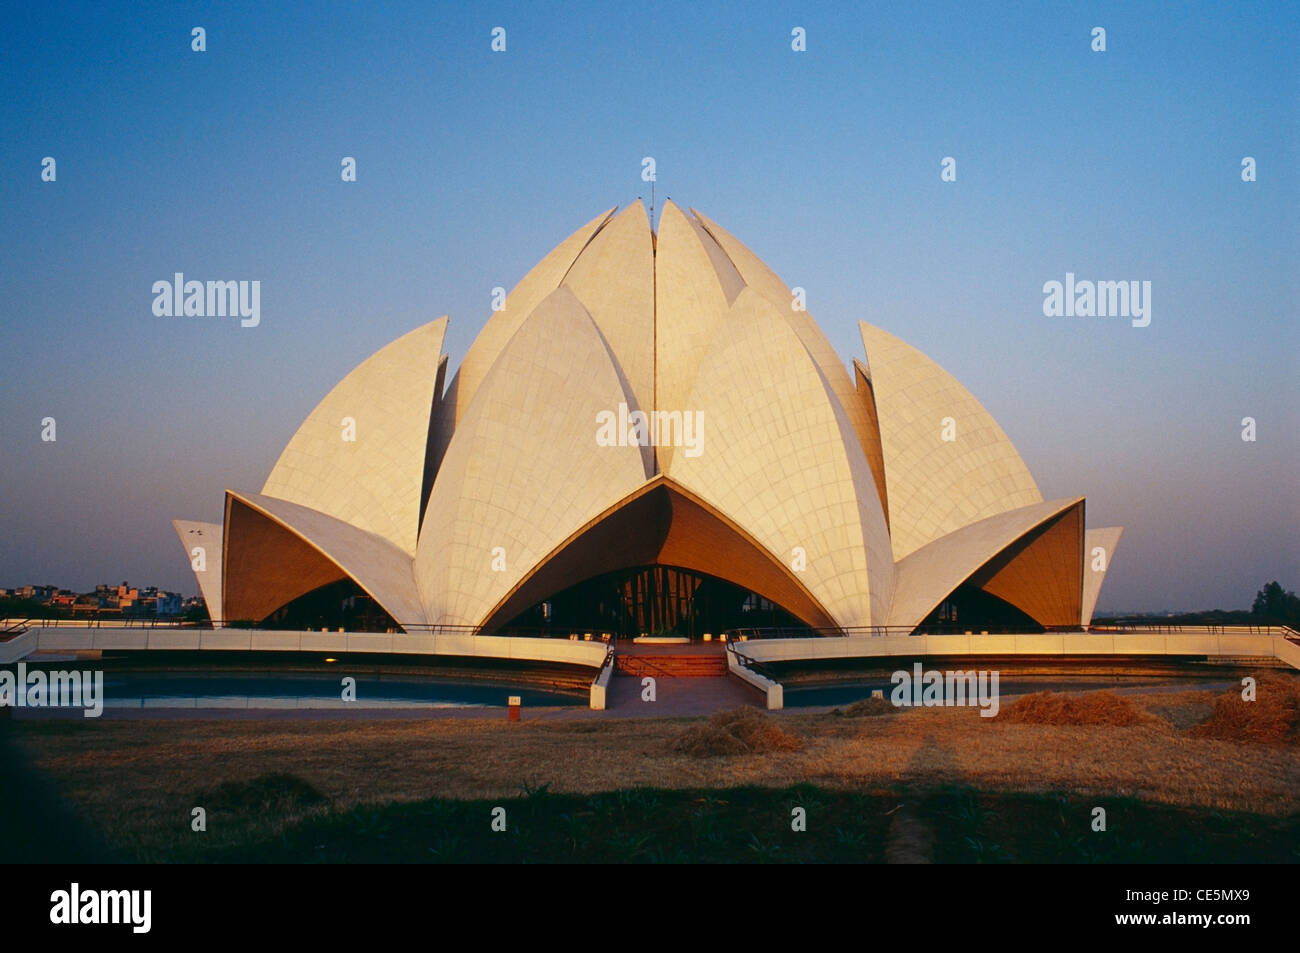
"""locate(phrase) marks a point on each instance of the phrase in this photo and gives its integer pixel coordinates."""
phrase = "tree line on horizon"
(1273, 605)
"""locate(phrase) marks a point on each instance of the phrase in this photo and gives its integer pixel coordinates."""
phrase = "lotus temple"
(651, 437)
(650, 462)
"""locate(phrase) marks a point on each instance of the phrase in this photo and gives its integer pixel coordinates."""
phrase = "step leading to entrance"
(674, 666)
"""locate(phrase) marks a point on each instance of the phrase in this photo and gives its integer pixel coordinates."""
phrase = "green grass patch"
(744, 825)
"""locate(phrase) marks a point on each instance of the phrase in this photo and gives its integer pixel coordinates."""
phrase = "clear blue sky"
(472, 165)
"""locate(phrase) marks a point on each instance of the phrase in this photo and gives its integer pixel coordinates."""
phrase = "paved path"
(678, 696)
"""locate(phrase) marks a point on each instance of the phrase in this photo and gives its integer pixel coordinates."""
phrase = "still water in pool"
(302, 690)
(846, 693)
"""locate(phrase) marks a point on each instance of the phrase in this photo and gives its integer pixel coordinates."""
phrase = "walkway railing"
(752, 664)
(864, 631)
(110, 622)
(642, 662)
(13, 627)
(899, 631)
(10, 629)
(1166, 628)
(414, 628)
(519, 632)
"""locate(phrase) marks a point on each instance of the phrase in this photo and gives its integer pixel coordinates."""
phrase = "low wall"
(1073, 644)
(600, 686)
(106, 638)
(774, 692)
(16, 647)
(1289, 652)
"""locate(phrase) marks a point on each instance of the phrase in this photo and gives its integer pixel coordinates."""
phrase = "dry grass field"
(136, 781)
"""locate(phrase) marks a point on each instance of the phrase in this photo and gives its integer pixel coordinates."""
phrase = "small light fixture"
(331, 660)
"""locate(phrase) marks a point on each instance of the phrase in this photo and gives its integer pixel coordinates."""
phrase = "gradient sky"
(473, 164)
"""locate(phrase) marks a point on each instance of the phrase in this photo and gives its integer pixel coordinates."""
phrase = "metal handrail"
(15, 627)
(750, 663)
(414, 628)
(14, 630)
(643, 661)
(886, 631)
(825, 632)
(1210, 628)
(115, 622)
(533, 632)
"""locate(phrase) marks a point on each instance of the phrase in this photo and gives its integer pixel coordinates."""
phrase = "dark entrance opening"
(970, 609)
(653, 600)
(334, 605)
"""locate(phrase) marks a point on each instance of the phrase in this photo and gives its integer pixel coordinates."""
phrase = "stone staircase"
(712, 665)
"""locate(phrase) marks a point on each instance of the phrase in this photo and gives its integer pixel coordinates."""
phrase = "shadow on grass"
(38, 825)
(754, 825)
(978, 827)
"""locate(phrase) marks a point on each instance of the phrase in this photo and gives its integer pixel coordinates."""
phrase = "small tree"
(1275, 604)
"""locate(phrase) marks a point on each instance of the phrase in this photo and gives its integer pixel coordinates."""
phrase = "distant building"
(37, 593)
(168, 604)
(91, 604)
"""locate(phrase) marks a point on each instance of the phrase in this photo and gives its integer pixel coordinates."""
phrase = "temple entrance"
(336, 605)
(655, 601)
(970, 608)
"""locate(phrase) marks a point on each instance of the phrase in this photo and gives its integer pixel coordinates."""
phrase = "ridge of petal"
(691, 302)
(757, 275)
(614, 279)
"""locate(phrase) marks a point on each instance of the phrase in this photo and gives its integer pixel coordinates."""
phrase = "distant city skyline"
(124, 599)
(1071, 165)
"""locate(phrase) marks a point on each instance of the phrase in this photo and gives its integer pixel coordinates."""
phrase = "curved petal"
(935, 485)
(694, 288)
(662, 524)
(276, 551)
(778, 456)
(541, 280)
(757, 275)
(1094, 573)
(524, 468)
(623, 309)
(927, 576)
(373, 481)
(206, 537)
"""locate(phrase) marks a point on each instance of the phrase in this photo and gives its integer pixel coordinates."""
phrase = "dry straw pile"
(739, 731)
(1091, 708)
(1272, 718)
